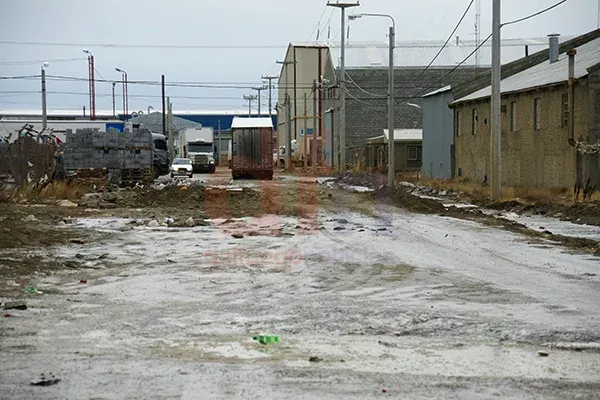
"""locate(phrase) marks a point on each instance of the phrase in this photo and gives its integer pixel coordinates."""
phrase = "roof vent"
(554, 50)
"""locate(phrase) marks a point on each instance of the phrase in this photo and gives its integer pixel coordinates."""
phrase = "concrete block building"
(367, 85)
(536, 145)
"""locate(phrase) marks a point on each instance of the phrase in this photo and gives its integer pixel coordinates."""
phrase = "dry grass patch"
(59, 190)
(526, 195)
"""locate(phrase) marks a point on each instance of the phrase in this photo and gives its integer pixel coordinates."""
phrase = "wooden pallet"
(132, 176)
(92, 173)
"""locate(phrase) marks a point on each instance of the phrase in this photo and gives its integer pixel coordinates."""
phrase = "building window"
(565, 110)
(474, 122)
(537, 114)
(513, 116)
(457, 122)
(415, 156)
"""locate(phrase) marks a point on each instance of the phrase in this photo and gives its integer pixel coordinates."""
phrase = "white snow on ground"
(542, 223)
(174, 311)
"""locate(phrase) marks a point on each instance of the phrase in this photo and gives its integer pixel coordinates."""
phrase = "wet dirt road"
(418, 306)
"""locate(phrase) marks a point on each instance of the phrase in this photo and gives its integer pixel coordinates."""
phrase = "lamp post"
(392, 34)
(125, 99)
(150, 108)
(92, 84)
(113, 98)
(44, 111)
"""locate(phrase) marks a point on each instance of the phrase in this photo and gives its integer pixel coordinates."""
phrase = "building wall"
(367, 115)
(530, 158)
(376, 155)
(299, 83)
(438, 135)
(593, 160)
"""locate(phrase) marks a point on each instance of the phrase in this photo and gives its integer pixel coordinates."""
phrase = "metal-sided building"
(438, 134)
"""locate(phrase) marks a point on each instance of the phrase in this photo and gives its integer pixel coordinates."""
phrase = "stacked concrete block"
(90, 148)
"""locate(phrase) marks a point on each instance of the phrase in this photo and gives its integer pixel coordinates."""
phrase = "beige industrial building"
(535, 140)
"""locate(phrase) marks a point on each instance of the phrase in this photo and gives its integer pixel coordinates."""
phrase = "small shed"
(407, 148)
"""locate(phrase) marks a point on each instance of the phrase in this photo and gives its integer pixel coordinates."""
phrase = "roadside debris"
(32, 289)
(66, 203)
(153, 224)
(542, 353)
(30, 218)
(315, 359)
(83, 281)
(15, 305)
(190, 222)
(237, 236)
(6, 315)
(77, 241)
(44, 380)
(265, 339)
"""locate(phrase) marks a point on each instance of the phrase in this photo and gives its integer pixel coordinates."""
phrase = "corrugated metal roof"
(546, 73)
(441, 90)
(420, 53)
(403, 135)
(239, 122)
(154, 122)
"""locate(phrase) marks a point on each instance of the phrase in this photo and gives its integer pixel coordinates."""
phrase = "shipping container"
(252, 148)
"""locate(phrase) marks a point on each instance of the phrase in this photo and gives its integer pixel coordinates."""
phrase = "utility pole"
(113, 99)
(270, 78)
(125, 99)
(288, 145)
(170, 130)
(249, 98)
(259, 89)
(219, 135)
(342, 138)
(92, 84)
(44, 110)
(288, 117)
(314, 135)
(391, 136)
(164, 111)
(477, 32)
(305, 133)
(495, 150)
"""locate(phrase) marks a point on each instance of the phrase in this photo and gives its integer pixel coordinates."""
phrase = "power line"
(451, 71)
(444, 45)
(534, 14)
(318, 24)
(33, 62)
(363, 90)
(139, 45)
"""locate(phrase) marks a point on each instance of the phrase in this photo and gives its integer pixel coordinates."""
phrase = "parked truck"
(252, 148)
(199, 147)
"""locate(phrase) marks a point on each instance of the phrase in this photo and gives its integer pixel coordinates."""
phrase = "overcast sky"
(268, 23)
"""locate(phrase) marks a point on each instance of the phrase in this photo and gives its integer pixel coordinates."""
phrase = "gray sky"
(271, 23)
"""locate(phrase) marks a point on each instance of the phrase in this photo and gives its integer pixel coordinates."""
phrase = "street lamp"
(150, 108)
(125, 99)
(91, 83)
(44, 111)
(392, 34)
